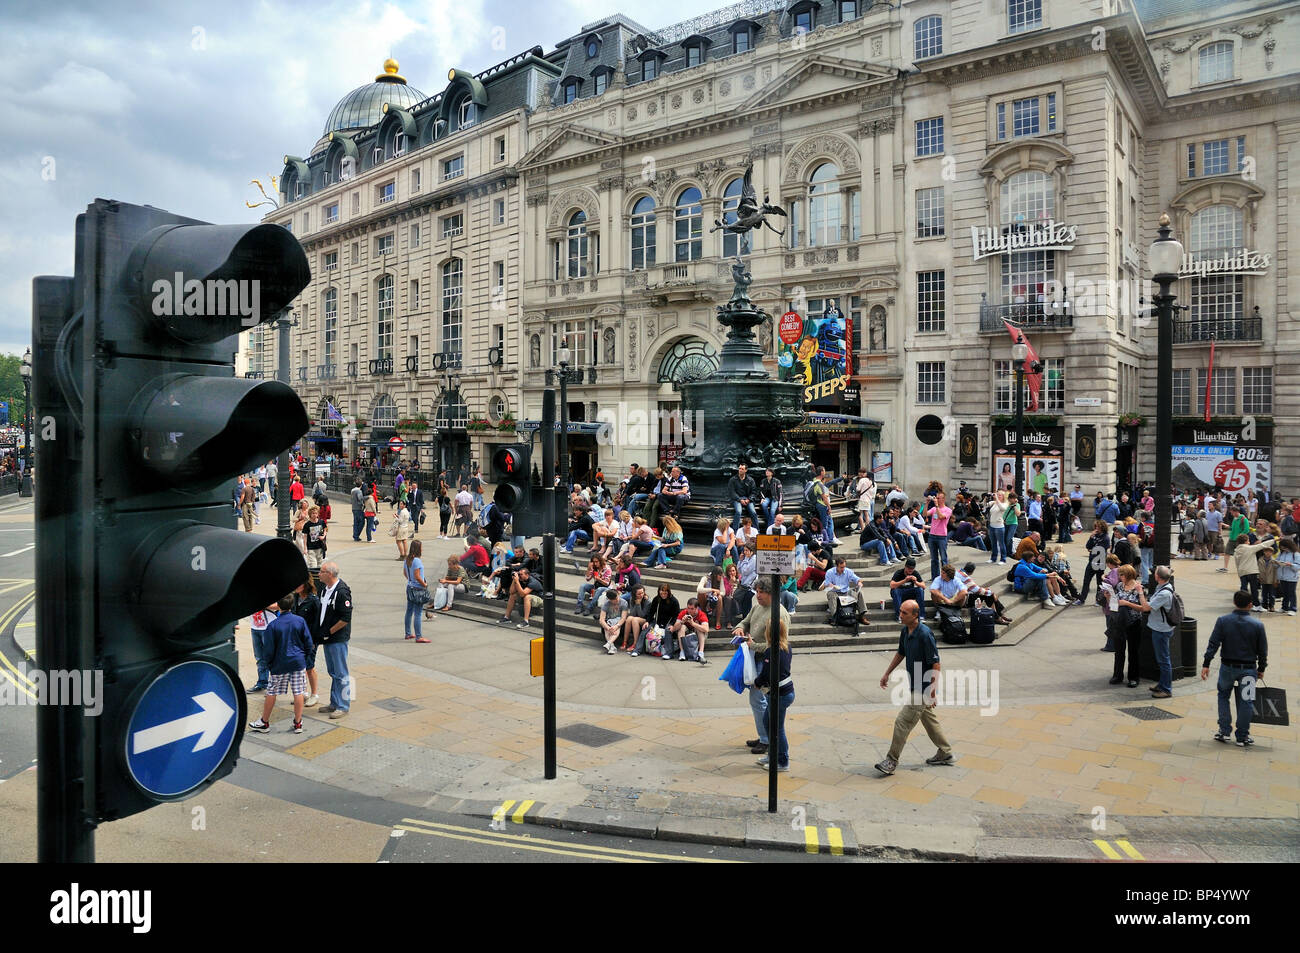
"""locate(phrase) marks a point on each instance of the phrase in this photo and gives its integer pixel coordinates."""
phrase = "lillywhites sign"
(1240, 261)
(1047, 236)
(1036, 437)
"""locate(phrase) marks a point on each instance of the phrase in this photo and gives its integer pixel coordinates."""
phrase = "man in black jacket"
(335, 632)
(771, 491)
(743, 492)
(1245, 656)
(415, 503)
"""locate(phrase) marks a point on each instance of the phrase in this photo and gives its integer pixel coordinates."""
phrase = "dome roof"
(364, 106)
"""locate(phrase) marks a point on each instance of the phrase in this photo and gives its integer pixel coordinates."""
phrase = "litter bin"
(1182, 652)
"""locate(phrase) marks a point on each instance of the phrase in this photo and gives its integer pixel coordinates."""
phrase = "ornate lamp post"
(1165, 257)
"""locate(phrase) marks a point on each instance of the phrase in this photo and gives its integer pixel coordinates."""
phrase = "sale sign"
(1231, 457)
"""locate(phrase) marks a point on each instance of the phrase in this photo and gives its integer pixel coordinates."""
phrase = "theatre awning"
(835, 426)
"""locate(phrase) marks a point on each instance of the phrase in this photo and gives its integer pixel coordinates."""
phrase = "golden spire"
(390, 73)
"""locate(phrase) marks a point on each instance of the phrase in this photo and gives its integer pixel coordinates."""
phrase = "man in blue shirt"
(842, 581)
(286, 645)
(1245, 656)
(1032, 581)
(1108, 511)
(916, 648)
(947, 590)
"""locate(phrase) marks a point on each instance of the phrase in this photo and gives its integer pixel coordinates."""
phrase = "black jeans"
(1088, 573)
(1250, 583)
(1127, 640)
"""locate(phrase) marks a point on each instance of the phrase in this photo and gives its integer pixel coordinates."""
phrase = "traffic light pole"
(283, 526)
(548, 583)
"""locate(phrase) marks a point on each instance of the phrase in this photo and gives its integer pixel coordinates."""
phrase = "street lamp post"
(1165, 257)
(1019, 354)
(564, 376)
(25, 486)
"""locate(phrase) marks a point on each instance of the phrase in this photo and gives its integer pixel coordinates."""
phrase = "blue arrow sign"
(182, 728)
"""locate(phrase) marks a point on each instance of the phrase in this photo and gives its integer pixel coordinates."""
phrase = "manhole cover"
(1149, 713)
(395, 705)
(589, 735)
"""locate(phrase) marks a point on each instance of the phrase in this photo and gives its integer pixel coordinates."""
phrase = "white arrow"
(207, 724)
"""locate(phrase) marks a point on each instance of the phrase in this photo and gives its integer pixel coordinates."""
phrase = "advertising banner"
(816, 354)
(969, 445)
(1044, 454)
(1236, 457)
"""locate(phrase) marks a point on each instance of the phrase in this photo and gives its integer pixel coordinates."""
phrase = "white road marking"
(19, 552)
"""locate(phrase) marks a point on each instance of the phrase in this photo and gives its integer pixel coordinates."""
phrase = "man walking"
(335, 631)
(916, 648)
(272, 477)
(1245, 656)
(358, 511)
(415, 503)
(247, 496)
(756, 624)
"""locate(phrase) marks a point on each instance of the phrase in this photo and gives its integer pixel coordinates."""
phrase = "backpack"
(951, 627)
(1175, 614)
(846, 613)
(485, 515)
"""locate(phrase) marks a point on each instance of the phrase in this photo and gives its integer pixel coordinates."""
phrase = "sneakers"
(1161, 694)
(1222, 569)
(1245, 742)
(1078, 602)
(1221, 736)
(758, 748)
(504, 618)
(312, 700)
(634, 654)
(325, 709)
(337, 713)
(521, 625)
(764, 762)
(297, 728)
(887, 766)
(609, 649)
(940, 758)
(1060, 600)
(259, 726)
(254, 689)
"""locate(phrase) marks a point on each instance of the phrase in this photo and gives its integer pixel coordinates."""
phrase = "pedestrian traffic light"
(514, 493)
(137, 356)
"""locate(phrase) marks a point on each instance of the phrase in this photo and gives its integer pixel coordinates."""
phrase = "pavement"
(1052, 762)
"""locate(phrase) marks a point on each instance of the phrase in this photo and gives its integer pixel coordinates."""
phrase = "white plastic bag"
(440, 598)
(751, 670)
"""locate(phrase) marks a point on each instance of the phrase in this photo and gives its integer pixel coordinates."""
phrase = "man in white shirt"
(465, 507)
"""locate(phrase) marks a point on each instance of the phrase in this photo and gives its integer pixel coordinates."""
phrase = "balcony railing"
(326, 371)
(1046, 316)
(577, 376)
(1204, 330)
(446, 360)
(383, 365)
(412, 363)
(302, 372)
(351, 369)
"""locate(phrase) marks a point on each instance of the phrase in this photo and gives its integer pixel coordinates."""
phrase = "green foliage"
(1031, 420)
(11, 386)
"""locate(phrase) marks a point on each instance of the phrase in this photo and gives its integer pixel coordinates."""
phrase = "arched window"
(330, 309)
(453, 280)
(927, 37)
(384, 318)
(733, 245)
(1214, 62)
(1218, 301)
(466, 113)
(451, 413)
(577, 245)
(609, 346)
(384, 413)
(643, 233)
(535, 351)
(1027, 198)
(688, 224)
(691, 359)
(825, 206)
(593, 47)
(395, 141)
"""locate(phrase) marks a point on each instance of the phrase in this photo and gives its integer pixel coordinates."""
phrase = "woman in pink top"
(938, 515)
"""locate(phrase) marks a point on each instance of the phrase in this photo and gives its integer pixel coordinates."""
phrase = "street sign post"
(775, 555)
(183, 727)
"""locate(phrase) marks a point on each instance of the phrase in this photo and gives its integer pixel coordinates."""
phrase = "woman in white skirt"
(403, 529)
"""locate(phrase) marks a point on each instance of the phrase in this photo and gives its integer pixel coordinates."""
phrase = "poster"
(1236, 457)
(882, 466)
(1044, 458)
(818, 357)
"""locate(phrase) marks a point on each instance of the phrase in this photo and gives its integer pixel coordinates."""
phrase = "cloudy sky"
(180, 105)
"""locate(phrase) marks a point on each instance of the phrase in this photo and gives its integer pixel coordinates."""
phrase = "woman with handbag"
(661, 614)
(444, 510)
(638, 609)
(1128, 626)
(402, 530)
(417, 590)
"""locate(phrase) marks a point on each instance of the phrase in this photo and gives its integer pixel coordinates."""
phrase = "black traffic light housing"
(134, 365)
(511, 468)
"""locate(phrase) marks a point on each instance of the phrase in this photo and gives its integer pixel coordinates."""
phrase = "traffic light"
(514, 494)
(147, 430)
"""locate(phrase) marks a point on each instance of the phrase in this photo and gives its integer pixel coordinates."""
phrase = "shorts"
(315, 557)
(535, 602)
(291, 683)
(1232, 545)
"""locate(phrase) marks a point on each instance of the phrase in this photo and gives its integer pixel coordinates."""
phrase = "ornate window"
(1052, 395)
(1027, 198)
(578, 335)
(649, 68)
(1218, 301)
(1027, 276)
(1214, 62)
(825, 206)
(733, 245)
(688, 224)
(452, 413)
(927, 37)
(643, 233)
(593, 47)
(600, 79)
(571, 91)
(691, 359)
(331, 323)
(576, 237)
(384, 317)
(453, 278)
(848, 10)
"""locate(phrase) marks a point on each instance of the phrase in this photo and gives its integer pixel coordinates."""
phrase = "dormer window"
(801, 16)
(848, 10)
(693, 55)
(742, 35)
(466, 114)
(696, 48)
(570, 91)
(600, 80)
(650, 62)
(593, 47)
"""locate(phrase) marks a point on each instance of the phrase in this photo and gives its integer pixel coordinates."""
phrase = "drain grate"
(1149, 713)
(589, 735)
(395, 705)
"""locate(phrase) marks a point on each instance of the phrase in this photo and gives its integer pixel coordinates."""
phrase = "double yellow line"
(545, 846)
(8, 669)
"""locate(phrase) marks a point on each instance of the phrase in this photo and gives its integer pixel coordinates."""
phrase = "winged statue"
(749, 214)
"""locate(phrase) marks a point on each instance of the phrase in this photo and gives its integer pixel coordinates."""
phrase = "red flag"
(1209, 381)
(1035, 381)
